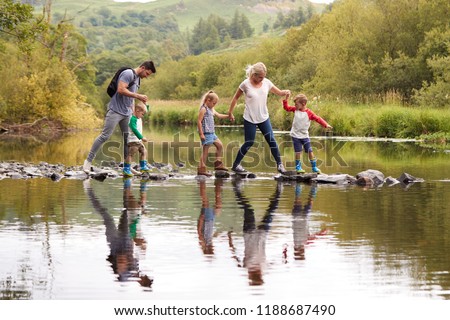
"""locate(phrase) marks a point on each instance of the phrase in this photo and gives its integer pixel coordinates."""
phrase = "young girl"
(299, 131)
(205, 125)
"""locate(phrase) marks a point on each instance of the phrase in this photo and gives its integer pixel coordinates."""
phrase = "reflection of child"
(205, 125)
(300, 222)
(205, 224)
(299, 130)
(135, 141)
(133, 211)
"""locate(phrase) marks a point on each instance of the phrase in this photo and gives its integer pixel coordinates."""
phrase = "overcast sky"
(145, 1)
(321, 1)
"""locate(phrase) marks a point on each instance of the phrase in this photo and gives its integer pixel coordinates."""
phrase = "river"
(226, 239)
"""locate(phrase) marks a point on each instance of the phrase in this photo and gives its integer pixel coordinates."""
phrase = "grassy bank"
(374, 120)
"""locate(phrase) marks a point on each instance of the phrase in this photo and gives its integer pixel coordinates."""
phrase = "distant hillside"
(124, 33)
(186, 12)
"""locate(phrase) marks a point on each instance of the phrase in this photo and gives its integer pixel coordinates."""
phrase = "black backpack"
(112, 87)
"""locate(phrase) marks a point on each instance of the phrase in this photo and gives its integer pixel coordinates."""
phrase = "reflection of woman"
(255, 235)
(256, 114)
(205, 224)
(121, 257)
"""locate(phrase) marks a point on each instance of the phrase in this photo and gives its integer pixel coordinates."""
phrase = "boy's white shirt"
(300, 125)
(132, 137)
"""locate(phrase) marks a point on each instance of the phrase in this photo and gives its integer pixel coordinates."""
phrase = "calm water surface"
(227, 239)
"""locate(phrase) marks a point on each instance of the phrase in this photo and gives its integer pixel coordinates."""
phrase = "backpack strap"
(134, 80)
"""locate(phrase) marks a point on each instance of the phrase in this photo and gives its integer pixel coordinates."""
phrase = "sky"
(145, 1)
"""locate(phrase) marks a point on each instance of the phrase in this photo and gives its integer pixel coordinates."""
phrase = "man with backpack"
(126, 82)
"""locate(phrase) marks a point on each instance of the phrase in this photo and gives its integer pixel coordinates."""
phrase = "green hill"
(186, 12)
(123, 33)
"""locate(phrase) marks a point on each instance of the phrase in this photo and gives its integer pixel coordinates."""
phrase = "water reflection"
(300, 221)
(386, 241)
(208, 213)
(255, 234)
(123, 238)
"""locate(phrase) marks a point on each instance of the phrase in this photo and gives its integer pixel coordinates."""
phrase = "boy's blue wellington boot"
(127, 170)
(298, 190)
(127, 182)
(143, 165)
(314, 166)
(298, 167)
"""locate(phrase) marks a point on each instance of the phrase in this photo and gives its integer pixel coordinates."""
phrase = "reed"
(185, 112)
(367, 120)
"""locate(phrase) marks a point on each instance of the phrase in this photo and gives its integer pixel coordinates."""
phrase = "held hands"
(231, 117)
(142, 97)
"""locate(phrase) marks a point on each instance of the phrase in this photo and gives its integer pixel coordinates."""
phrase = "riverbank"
(357, 120)
(353, 120)
(40, 127)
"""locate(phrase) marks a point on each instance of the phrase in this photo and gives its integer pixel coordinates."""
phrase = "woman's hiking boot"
(281, 168)
(239, 169)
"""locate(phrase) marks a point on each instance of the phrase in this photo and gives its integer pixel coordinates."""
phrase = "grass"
(368, 120)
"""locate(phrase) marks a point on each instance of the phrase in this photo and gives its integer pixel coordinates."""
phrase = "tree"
(435, 50)
(204, 37)
(240, 26)
(46, 84)
(17, 21)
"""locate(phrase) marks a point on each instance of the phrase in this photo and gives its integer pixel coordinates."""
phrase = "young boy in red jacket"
(300, 130)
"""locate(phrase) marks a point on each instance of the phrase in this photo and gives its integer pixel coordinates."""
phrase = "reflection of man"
(255, 235)
(300, 221)
(205, 224)
(120, 238)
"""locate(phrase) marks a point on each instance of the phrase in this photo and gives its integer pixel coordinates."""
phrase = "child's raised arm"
(287, 107)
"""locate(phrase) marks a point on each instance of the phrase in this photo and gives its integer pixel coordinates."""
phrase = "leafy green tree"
(44, 81)
(240, 26)
(17, 21)
(436, 52)
(204, 37)
(221, 25)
